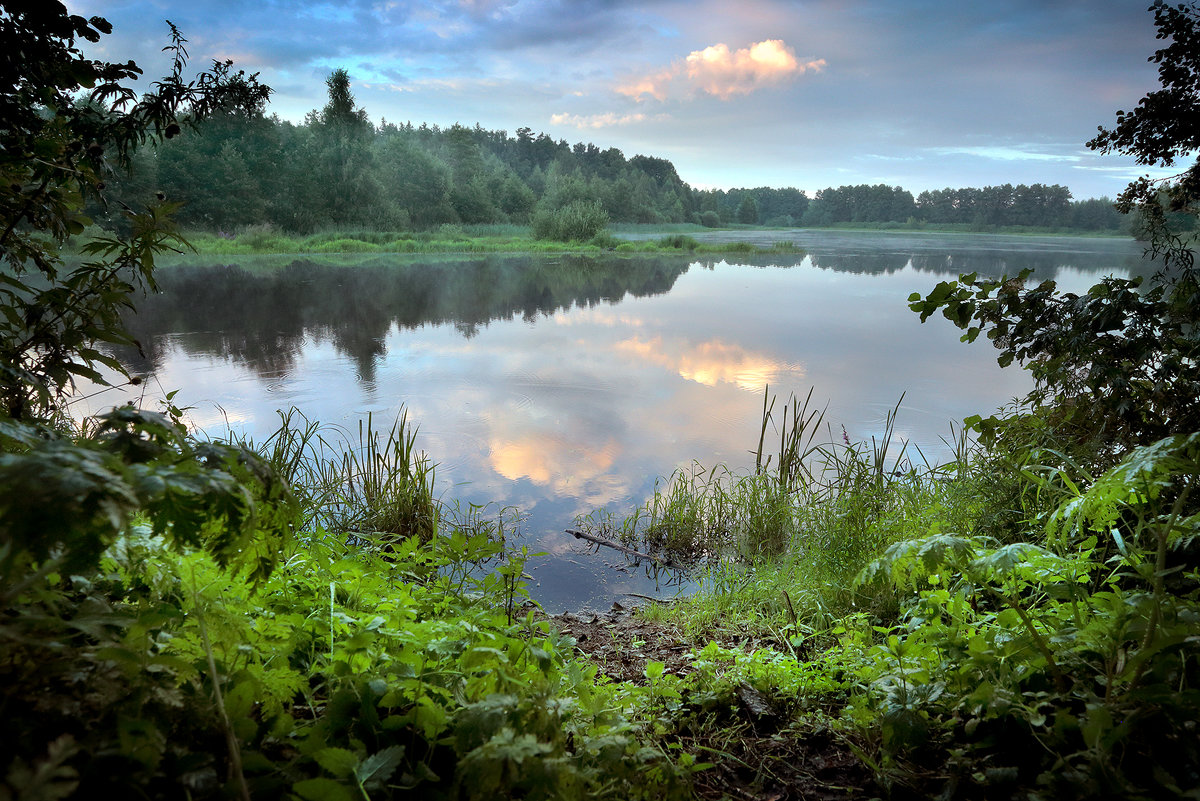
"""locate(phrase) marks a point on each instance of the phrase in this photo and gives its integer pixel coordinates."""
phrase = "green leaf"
(338, 761)
(376, 769)
(323, 790)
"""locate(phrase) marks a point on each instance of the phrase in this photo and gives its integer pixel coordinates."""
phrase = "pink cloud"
(722, 72)
(596, 120)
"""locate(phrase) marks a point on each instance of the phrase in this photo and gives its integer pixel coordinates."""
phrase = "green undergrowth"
(345, 675)
(1009, 625)
(305, 618)
(382, 649)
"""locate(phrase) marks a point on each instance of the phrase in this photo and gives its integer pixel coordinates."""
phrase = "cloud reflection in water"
(562, 388)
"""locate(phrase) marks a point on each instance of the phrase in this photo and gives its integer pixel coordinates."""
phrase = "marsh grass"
(370, 487)
(777, 549)
(797, 429)
(267, 239)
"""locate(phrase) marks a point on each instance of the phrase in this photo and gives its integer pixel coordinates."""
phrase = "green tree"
(1160, 131)
(415, 181)
(1119, 365)
(342, 182)
(747, 212)
(340, 111)
(56, 151)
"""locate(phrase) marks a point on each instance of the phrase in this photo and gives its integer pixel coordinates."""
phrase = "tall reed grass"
(783, 543)
(372, 487)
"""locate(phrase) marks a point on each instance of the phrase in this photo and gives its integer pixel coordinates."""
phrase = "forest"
(184, 616)
(240, 169)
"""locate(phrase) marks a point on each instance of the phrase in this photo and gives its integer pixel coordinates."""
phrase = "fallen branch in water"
(651, 598)
(579, 535)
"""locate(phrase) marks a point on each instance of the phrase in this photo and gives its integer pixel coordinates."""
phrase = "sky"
(922, 94)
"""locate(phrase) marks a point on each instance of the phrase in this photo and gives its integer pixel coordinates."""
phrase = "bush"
(710, 219)
(260, 236)
(679, 242)
(578, 221)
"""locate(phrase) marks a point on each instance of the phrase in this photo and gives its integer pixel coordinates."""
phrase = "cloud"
(723, 73)
(596, 120)
(1005, 153)
(486, 8)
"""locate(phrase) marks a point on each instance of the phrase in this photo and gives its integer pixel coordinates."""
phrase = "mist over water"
(567, 384)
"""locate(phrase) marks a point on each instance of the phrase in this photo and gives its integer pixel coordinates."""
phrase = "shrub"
(679, 241)
(260, 236)
(578, 221)
(606, 241)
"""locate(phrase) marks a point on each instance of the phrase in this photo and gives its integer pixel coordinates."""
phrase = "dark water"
(563, 385)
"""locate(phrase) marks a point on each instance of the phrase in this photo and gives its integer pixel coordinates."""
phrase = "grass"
(366, 488)
(458, 239)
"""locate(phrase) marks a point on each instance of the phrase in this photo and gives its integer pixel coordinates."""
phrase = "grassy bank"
(455, 239)
(999, 627)
(867, 624)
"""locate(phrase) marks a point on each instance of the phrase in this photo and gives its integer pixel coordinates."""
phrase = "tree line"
(1039, 205)
(241, 167)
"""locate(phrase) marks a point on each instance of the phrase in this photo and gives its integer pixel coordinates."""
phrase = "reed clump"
(370, 486)
(815, 510)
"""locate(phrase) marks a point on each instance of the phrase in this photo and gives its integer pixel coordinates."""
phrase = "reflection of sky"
(568, 413)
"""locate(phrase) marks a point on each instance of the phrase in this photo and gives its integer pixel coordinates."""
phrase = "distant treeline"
(338, 169)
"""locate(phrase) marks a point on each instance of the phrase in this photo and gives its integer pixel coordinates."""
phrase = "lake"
(563, 385)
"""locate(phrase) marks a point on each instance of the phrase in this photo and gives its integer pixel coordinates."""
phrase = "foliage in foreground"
(1061, 667)
(389, 667)
(1043, 651)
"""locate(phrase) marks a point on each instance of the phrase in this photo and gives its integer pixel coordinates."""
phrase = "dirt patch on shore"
(620, 642)
(759, 751)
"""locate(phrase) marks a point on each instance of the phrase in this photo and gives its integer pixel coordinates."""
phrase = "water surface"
(562, 385)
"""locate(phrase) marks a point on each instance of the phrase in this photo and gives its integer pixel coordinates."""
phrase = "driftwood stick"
(579, 535)
(651, 598)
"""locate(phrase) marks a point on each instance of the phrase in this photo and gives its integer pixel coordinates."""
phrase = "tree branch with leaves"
(68, 123)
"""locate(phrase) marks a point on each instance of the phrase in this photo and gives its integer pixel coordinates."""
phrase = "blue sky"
(922, 94)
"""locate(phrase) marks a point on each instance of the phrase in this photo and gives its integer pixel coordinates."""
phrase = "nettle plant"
(1070, 665)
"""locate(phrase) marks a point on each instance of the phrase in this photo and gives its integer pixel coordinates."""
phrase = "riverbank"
(453, 239)
(623, 239)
